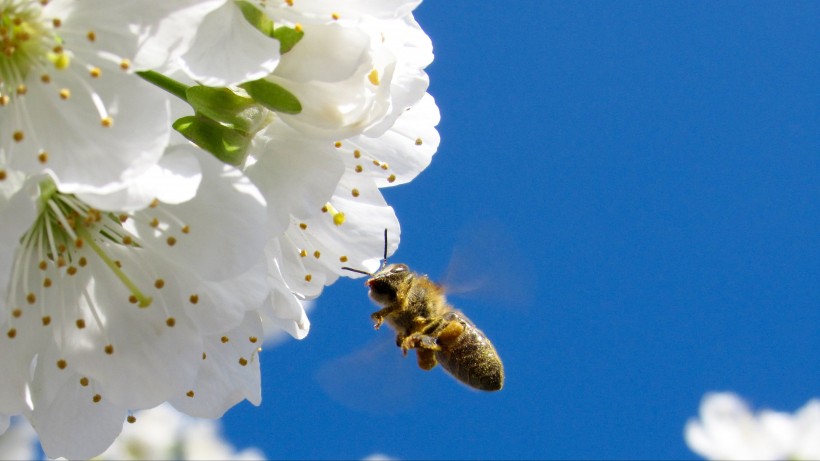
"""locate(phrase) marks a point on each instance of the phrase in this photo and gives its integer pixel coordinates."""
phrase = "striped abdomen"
(470, 357)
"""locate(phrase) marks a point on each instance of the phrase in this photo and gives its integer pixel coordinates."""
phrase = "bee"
(416, 308)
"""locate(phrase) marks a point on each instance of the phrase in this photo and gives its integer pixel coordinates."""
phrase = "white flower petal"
(224, 223)
(295, 174)
(173, 180)
(228, 50)
(81, 152)
(229, 372)
(65, 411)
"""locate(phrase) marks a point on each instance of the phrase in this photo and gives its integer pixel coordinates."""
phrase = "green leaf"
(226, 143)
(256, 18)
(273, 96)
(288, 37)
(228, 108)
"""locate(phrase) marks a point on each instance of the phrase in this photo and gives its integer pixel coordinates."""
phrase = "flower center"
(67, 231)
(26, 43)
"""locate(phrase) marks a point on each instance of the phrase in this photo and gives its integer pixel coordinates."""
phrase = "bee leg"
(426, 358)
(419, 341)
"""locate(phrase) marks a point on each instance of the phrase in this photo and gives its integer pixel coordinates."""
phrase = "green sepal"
(288, 37)
(273, 96)
(256, 18)
(224, 106)
(225, 143)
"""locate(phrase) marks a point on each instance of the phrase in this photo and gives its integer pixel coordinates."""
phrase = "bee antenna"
(356, 270)
(384, 260)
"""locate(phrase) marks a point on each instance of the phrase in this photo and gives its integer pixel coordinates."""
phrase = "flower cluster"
(177, 178)
(727, 429)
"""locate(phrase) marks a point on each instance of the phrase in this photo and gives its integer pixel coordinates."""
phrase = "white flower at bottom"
(727, 429)
(163, 433)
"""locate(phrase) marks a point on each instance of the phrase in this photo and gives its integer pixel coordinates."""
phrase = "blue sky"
(657, 165)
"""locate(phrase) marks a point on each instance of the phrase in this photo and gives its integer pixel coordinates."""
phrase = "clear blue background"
(658, 164)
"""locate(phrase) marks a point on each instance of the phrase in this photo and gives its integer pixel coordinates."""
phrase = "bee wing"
(374, 379)
(486, 265)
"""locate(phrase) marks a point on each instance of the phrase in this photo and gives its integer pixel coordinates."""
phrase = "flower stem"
(168, 84)
(144, 301)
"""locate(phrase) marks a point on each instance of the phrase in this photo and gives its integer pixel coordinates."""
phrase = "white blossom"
(728, 429)
(70, 104)
(353, 76)
(108, 311)
(163, 433)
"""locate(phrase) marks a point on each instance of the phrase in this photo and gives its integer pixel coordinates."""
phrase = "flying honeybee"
(418, 311)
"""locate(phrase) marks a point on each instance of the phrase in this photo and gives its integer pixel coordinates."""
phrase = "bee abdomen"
(472, 359)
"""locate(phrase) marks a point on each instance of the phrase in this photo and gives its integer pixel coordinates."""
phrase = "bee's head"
(385, 283)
